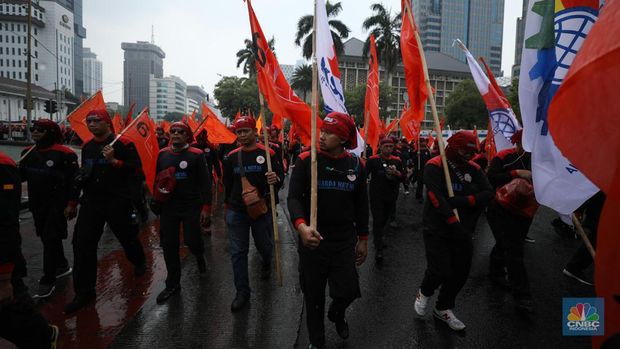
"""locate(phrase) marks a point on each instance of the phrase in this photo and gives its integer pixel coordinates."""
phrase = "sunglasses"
(38, 129)
(93, 120)
(177, 131)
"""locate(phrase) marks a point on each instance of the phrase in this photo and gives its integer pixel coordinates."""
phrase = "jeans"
(238, 224)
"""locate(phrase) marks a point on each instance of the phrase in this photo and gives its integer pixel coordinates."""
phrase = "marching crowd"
(108, 187)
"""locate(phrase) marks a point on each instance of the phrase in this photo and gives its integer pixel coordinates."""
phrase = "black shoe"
(167, 293)
(265, 272)
(241, 299)
(79, 302)
(202, 265)
(45, 290)
(525, 304)
(62, 272)
(54, 336)
(577, 275)
(139, 270)
(529, 239)
(379, 257)
(342, 327)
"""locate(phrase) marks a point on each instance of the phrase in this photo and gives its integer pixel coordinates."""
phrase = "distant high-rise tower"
(93, 72)
(75, 6)
(478, 23)
(516, 68)
(142, 59)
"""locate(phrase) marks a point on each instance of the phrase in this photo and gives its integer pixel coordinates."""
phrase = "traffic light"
(51, 106)
(54, 107)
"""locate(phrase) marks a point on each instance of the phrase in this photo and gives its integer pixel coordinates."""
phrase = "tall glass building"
(478, 23)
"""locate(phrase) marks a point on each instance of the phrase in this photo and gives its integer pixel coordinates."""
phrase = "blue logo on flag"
(583, 316)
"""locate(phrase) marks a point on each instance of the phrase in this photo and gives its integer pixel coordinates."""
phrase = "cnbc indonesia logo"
(583, 317)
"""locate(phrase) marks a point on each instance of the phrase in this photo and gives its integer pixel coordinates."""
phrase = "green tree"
(236, 94)
(302, 79)
(513, 98)
(305, 28)
(246, 58)
(355, 99)
(386, 29)
(465, 107)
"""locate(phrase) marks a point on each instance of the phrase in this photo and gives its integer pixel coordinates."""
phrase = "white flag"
(548, 53)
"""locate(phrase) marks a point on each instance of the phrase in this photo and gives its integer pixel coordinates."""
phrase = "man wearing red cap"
(245, 172)
(186, 202)
(448, 239)
(104, 179)
(510, 229)
(49, 170)
(20, 322)
(330, 252)
(386, 173)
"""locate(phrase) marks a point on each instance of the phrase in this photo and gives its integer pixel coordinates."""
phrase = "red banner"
(371, 104)
(77, 119)
(142, 134)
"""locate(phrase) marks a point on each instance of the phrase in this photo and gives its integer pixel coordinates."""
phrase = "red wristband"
(298, 222)
(452, 220)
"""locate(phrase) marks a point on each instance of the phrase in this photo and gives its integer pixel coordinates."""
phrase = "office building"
(142, 60)
(93, 72)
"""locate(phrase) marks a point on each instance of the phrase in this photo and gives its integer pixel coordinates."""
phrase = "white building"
(13, 41)
(167, 95)
(93, 72)
(56, 66)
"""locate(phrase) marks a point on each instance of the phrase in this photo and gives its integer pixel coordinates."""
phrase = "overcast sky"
(201, 37)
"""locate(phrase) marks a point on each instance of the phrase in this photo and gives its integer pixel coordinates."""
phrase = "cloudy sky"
(201, 37)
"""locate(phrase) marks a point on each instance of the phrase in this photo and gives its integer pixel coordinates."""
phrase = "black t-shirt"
(255, 166)
(193, 181)
(382, 186)
(342, 200)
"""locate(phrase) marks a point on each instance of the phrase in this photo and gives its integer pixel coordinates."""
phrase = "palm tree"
(386, 29)
(302, 79)
(245, 56)
(305, 30)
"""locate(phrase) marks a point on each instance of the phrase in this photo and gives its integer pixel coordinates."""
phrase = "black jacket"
(380, 185)
(10, 197)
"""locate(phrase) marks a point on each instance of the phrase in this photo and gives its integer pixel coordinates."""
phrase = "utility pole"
(29, 75)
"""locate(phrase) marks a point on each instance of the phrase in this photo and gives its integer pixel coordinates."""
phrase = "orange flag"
(586, 107)
(238, 115)
(117, 123)
(278, 93)
(259, 124)
(392, 126)
(218, 133)
(276, 120)
(371, 104)
(77, 118)
(192, 123)
(129, 117)
(489, 144)
(412, 62)
(409, 124)
(166, 126)
(142, 134)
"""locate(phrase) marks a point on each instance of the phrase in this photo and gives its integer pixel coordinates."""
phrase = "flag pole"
(366, 117)
(204, 118)
(274, 219)
(118, 136)
(442, 152)
(313, 162)
(59, 122)
(583, 235)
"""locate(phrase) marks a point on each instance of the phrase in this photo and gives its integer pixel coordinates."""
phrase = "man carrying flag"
(104, 179)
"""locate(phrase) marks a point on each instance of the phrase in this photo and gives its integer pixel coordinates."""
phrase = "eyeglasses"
(38, 129)
(177, 131)
(93, 120)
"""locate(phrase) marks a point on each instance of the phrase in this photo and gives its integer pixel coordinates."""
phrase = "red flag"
(431, 140)
(142, 134)
(117, 123)
(276, 120)
(489, 143)
(238, 115)
(192, 123)
(129, 117)
(218, 133)
(493, 82)
(77, 118)
(371, 104)
(166, 126)
(392, 126)
(586, 107)
(409, 125)
(412, 61)
(273, 85)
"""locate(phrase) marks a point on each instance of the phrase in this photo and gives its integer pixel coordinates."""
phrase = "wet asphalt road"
(383, 318)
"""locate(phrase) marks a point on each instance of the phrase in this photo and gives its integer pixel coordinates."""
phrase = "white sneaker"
(421, 303)
(448, 317)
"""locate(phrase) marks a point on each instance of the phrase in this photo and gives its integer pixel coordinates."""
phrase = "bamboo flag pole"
(366, 119)
(197, 130)
(118, 136)
(59, 122)
(583, 235)
(313, 162)
(274, 219)
(442, 152)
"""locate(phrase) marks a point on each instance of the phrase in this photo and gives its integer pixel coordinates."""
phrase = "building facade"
(93, 72)
(56, 62)
(478, 23)
(167, 95)
(445, 73)
(12, 102)
(75, 6)
(142, 59)
(195, 96)
(516, 68)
